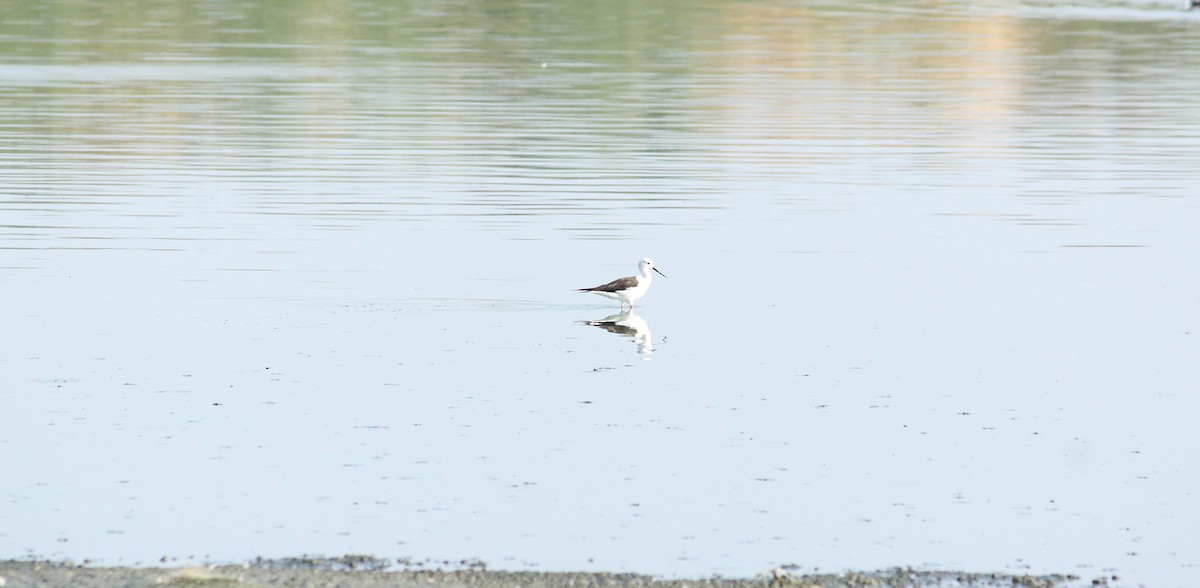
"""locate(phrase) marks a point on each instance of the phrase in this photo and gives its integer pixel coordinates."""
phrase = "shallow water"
(283, 282)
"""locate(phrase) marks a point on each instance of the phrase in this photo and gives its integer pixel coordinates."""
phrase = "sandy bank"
(367, 572)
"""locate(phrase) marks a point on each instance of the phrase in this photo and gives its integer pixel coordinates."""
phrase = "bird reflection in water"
(630, 325)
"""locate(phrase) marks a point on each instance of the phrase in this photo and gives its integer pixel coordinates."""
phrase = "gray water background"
(283, 278)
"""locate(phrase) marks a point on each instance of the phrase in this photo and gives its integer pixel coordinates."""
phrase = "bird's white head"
(646, 265)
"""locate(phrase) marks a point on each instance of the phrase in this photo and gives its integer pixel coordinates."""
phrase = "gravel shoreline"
(368, 572)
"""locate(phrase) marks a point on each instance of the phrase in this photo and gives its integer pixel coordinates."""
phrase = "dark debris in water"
(345, 563)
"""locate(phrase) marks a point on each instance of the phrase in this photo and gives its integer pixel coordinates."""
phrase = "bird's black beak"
(659, 273)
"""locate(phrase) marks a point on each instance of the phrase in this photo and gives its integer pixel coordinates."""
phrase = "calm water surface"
(300, 281)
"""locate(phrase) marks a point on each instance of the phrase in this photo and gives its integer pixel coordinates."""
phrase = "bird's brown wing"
(614, 286)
